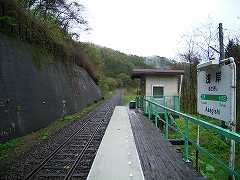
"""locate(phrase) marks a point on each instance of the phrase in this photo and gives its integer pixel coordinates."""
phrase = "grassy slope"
(215, 144)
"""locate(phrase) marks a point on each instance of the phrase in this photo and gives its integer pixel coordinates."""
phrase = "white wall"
(170, 84)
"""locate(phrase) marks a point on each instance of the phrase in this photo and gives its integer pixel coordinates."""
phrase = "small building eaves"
(137, 73)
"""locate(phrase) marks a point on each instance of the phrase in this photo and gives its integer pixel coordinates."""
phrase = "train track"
(73, 158)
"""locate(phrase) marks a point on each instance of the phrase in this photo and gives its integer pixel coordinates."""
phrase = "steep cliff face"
(34, 90)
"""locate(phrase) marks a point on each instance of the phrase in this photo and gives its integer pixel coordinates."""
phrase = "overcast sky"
(154, 27)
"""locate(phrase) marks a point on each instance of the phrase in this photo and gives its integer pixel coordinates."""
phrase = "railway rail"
(73, 158)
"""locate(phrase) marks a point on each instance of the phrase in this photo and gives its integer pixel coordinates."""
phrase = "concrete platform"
(117, 157)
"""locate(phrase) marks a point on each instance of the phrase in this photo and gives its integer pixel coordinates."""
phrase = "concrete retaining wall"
(35, 91)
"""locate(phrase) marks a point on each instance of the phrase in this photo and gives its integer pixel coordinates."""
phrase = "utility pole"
(221, 51)
(233, 127)
(221, 46)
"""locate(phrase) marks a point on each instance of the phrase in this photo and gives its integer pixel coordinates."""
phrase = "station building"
(164, 85)
(156, 82)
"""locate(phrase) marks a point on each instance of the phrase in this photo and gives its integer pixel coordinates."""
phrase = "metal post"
(232, 159)
(166, 125)
(137, 102)
(156, 119)
(233, 124)
(149, 111)
(138, 107)
(164, 102)
(174, 103)
(197, 152)
(145, 106)
(186, 136)
(179, 102)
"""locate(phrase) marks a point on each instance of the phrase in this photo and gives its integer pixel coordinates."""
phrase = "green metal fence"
(172, 102)
(154, 107)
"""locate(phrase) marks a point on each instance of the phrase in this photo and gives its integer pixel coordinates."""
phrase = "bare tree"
(191, 50)
(206, 38)
(69, 15)
(202, 41)
(191, 58)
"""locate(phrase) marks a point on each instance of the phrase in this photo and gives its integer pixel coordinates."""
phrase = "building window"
(157, 91)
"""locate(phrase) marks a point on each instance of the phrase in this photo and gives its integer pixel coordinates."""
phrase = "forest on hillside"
(48, 25)
(114, 68)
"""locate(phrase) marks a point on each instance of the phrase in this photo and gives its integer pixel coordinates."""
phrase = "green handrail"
(148, 102)
(220, 130)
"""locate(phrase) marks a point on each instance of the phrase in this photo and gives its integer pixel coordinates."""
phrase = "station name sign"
(215, 89)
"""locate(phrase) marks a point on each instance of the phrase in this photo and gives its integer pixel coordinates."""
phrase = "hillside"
(159, 62)
(48, 30)
(113, 68)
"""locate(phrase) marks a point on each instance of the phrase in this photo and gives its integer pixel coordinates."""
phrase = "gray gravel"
(26, 163)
